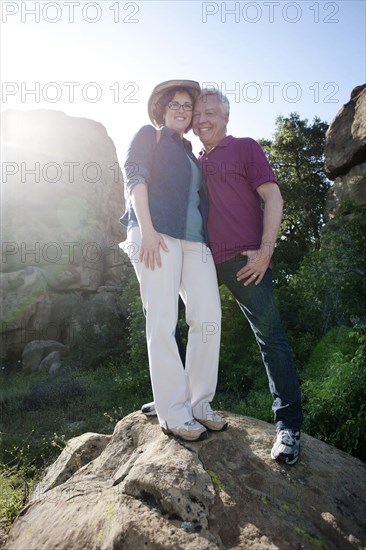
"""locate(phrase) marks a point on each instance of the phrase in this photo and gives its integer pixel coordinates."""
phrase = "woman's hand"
(151, 242)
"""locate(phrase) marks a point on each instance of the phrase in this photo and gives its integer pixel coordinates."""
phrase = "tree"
(329, 288)
(296, 155)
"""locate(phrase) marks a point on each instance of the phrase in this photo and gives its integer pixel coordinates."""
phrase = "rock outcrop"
(62, 195)
(37, 351)
(345, 152)
(142, 489)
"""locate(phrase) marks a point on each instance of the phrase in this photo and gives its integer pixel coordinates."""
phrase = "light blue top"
(194, 225)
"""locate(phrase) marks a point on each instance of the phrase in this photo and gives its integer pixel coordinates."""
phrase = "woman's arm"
(151, 240)
(137, 170)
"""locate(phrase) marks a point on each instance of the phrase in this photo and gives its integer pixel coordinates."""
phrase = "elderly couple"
(197, 224)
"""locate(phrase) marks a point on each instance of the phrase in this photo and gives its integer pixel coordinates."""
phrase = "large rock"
(25, 310)
(345, 144)
(23, 293)
(36, 351)
(51, 363)
(147, 490)
(78, 451)
(350, 186)
(62, 196)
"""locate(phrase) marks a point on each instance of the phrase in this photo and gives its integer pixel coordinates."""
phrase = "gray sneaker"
(149, 409)
(213, 422)
(286, 448)
(190, 431)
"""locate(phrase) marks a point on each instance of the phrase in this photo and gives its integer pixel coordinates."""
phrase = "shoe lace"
(287, 437)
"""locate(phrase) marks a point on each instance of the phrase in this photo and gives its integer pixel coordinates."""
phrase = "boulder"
(22, 294)
(51, 363)
(62, 196)
(350, 186)
(148, 490)
(345, 144)
(78, 451)
(36, 351)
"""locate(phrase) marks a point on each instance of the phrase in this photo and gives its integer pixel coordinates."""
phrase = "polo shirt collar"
(223, 143)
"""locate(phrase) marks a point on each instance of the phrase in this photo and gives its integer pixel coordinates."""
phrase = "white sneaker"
(213, 422)
(149, 409)
(286, 448)
(190, 431)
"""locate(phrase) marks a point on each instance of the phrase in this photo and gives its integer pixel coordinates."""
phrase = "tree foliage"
(329, 288)
(296, 155)
(334, 390)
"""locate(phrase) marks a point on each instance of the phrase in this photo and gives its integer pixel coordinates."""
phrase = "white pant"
(187, 269)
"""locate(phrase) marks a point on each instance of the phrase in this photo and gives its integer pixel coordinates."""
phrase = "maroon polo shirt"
(234, 170)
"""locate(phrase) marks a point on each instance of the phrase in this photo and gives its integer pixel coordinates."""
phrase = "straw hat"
(190, 85)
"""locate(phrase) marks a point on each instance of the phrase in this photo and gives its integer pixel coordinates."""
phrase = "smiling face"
(178, 120)
(209, 121)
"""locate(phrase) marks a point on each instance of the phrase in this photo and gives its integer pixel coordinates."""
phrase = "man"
(245, 212)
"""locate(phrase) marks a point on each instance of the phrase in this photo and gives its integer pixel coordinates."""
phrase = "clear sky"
(270, 57)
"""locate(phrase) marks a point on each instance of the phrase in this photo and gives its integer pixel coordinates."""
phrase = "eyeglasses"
(175, 106)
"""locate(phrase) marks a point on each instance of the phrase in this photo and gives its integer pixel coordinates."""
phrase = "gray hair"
(220, 96)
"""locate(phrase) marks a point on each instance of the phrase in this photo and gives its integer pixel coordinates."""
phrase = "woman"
(166, 242)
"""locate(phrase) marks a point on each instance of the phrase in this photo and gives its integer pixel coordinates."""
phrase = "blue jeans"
(258, 305)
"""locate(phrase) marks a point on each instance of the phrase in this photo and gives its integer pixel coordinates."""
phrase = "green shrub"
(258, 403)
(53, 392)
(14, 492)
(334, 390)
(136, 333)
(241, 365)
(329, 289)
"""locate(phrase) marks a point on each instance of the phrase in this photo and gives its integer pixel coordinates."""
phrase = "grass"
(39, 414)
